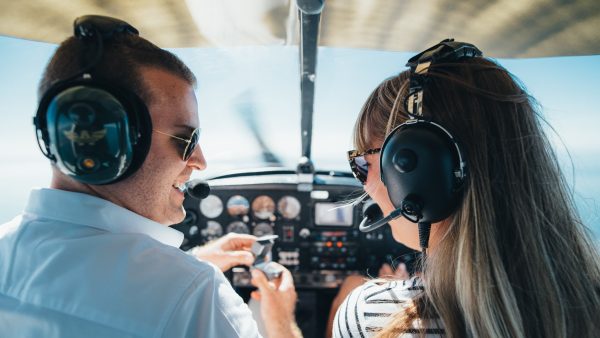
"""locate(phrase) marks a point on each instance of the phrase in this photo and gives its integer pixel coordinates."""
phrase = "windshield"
(250, 112)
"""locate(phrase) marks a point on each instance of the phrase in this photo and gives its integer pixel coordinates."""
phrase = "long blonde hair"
(515, 260)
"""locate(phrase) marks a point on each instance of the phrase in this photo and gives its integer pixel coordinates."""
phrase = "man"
(98, 259)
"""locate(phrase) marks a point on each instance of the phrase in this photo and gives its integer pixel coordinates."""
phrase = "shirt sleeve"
(211, 308)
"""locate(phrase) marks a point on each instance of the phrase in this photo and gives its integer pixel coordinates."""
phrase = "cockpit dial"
(212, 231)
(263, 207)
(262, 229)
(238, 227)
(238, 206)
(289, 207)
(211, 206)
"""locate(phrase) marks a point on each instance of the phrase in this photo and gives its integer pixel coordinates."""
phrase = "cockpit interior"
(280, 85)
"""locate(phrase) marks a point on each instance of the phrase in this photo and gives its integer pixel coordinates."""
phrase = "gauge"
(211, 206)
(262, 229)
(238, 227)
(238, 205)
(213, 230)
(263, 207)
(288, 207)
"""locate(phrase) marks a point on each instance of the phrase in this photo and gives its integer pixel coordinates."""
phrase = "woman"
(513, 259)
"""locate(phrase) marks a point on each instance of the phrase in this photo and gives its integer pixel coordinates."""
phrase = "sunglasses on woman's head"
(358, 163)
(190, 144)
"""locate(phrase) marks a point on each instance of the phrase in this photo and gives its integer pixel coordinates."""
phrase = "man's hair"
(122, 58)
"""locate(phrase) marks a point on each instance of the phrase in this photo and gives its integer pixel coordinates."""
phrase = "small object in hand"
(261, 249)
(270, 269)
(267, 239)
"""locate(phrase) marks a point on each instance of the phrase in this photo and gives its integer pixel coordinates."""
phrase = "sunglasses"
(358, 163)
(190, 144)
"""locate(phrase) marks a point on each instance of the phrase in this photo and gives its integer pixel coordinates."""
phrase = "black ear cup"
(422, 169)
(94, 132)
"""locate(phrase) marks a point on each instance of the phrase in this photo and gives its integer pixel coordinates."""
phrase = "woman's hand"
(277, 303)
(400, 272)
(228, 251)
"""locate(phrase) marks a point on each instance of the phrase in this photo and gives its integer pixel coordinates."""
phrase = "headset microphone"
(197, 188)
(369, 217)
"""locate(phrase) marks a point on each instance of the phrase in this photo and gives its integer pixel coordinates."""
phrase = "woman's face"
(403, 230)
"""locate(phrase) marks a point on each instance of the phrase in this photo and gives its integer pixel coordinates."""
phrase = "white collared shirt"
(74, 265)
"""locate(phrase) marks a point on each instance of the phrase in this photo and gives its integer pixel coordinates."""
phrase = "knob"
(304, 233)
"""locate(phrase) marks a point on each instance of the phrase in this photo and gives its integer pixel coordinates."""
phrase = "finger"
(401, 268)
(239, 258)
(235, 241)
(241, 237)
(260, 281)
(255, 295)
(399, 273)
(286, 281)
(386, 270)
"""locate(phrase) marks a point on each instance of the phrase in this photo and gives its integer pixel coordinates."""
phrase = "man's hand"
(228, 251)
(277, 303)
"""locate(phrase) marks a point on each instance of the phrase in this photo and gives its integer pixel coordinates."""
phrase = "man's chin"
(177, 217)
(170, 217)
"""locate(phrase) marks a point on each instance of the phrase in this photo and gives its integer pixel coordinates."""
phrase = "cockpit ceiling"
(502, 28)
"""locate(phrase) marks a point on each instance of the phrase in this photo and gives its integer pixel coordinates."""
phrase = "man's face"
(151, 191)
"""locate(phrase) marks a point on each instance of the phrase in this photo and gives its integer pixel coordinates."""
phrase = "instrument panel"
(317, 225)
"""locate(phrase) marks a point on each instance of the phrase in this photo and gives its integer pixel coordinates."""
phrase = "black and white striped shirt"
(370, 307)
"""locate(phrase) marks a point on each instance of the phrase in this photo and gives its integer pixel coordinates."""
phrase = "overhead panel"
(503, 28)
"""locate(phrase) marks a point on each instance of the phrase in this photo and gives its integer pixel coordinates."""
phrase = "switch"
(288, 233)
(304, 233)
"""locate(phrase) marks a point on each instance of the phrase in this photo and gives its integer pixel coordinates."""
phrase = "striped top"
(370, 307)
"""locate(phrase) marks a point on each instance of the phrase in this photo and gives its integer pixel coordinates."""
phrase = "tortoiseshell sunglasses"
(358, 163)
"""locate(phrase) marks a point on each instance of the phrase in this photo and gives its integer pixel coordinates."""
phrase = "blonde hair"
(515, 260)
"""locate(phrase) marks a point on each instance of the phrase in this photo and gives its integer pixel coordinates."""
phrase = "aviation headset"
(94, 131)
(422, 164)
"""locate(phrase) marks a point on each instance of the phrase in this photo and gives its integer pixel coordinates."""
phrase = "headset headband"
(90, 25)
(447, 50)
(101, 28)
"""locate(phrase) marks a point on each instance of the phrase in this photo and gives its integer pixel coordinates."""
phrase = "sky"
(263, 82)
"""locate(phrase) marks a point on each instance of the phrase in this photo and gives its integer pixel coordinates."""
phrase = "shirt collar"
(87, 210)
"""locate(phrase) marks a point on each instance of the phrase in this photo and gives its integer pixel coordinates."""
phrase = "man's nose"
(197, 160)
